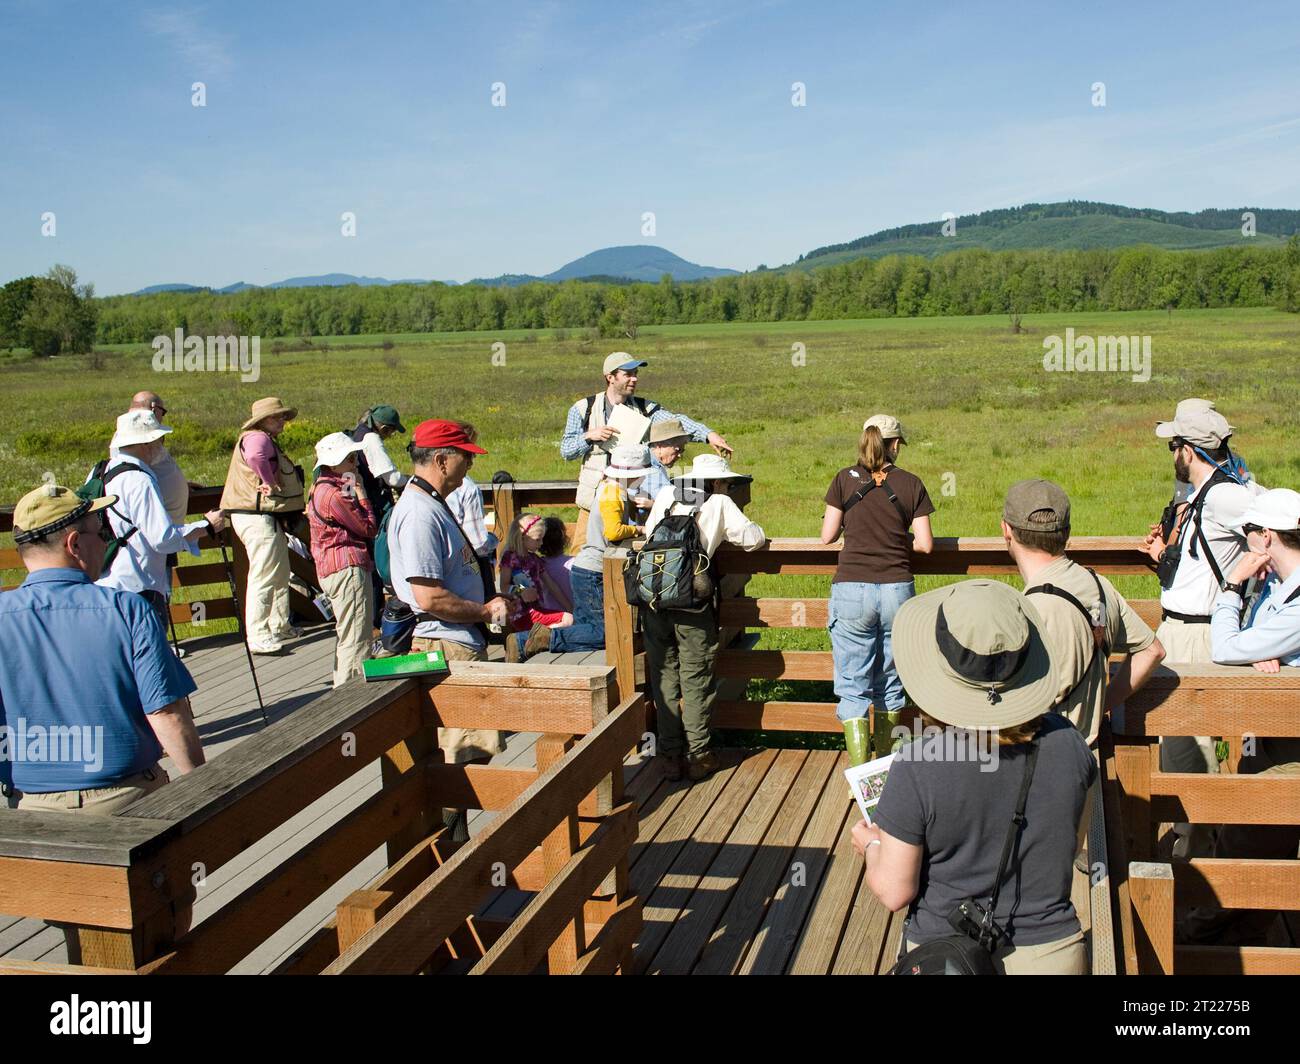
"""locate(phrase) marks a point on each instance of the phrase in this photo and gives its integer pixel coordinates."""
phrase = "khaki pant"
(266, 598)
(459, 745)
(1188, 753)
(1065, 956)
(579, 531)
(681, 647)
(349, 592)
(97, 801)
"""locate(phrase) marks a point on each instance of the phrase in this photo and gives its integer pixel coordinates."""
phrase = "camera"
(970, 918)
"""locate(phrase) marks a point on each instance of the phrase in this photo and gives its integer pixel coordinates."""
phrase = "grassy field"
(980, 409)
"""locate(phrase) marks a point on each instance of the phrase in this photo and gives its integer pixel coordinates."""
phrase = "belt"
(1186, 618)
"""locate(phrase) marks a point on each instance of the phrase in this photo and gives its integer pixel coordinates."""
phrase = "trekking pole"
(239, 620)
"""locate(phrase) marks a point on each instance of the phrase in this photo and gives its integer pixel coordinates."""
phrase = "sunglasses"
(1248, 529)
(1176, 445)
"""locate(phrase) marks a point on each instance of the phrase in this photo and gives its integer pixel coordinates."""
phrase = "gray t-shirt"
(960, 815)
(423, 541)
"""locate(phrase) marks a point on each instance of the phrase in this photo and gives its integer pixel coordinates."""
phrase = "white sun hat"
(138, 426)
(334, 448)
(1278, 509)
(629, 461)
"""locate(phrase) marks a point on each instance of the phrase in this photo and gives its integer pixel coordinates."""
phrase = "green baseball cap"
(386, 415)
(1027, 496)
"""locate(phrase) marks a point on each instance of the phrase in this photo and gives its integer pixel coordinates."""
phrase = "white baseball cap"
(138, 426)
(1278, 509)
(334, 448)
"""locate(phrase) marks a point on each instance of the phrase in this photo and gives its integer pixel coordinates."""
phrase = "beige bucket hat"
(268, 407)
(972, 654)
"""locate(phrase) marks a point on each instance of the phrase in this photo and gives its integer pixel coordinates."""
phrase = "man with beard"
(1197, 545)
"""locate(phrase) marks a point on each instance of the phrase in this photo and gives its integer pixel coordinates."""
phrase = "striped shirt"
(342, 525)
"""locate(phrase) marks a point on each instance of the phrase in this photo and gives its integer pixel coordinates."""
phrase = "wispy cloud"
(183, 30)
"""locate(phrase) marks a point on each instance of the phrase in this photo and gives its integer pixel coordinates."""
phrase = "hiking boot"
(514, 649)
(698, 766)
(672, 767)
(539, 640)
(289, 633)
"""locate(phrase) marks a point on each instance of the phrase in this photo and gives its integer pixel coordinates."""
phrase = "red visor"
(443, 434)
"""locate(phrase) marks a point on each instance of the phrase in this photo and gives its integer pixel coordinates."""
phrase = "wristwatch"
(1239, 589)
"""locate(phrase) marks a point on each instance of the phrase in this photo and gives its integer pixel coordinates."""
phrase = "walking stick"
(239, 620)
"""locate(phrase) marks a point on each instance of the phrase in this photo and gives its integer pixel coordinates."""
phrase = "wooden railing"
(1213, 700)
(125, 884)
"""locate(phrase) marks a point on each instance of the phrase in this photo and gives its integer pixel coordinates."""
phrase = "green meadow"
(979, 407)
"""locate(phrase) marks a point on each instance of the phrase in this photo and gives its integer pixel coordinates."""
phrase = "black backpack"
(671, 572)
(96, 487)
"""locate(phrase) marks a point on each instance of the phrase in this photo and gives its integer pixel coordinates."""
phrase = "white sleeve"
(1228, 504)
(738, 528)
(381, 466)
(662, 502)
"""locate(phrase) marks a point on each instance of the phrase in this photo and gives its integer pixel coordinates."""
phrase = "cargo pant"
(681, 647)
(349, 593)
(266, 596)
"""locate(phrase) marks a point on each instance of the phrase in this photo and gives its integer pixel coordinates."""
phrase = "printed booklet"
(867, 781)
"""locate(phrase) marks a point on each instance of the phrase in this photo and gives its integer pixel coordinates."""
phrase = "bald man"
(171, 481)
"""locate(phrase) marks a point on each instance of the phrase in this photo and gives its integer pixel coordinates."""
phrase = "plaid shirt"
(574, 446)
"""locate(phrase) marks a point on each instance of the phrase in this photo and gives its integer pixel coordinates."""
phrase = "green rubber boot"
(857, 740)
(883, 742)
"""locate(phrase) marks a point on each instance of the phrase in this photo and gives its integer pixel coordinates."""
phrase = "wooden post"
(1133, 758)
(1151, 887)
(410, 755)
(505, 508)
(557, 848)
(620, 625)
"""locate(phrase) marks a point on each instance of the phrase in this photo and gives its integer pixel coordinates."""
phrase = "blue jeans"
(588, 629)
(861, 627)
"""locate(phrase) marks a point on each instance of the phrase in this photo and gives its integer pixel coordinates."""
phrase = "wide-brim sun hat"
(138, 426)
(268, 407)
(335, 448)
(972, 655)
(710, 467)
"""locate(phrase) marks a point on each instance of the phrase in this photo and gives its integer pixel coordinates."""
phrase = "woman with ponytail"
(884, 513)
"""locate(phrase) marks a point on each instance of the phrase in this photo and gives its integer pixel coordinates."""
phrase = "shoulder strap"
(432, 492)
(867, 488)
(1099, 644)
(311, 501)
(1013, 830)
(586, 414)
(1291, 597)
(1217, 477)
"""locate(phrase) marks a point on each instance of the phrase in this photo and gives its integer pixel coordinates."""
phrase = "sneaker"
(698, 766)
(258, 647)
(289, 633)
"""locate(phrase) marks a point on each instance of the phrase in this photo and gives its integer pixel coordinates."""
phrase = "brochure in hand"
(404, 665)
(867, 782)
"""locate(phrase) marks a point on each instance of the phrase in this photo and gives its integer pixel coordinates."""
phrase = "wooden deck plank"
(41, 943)
(770, 951)
(667, 894)
(824, 927)
(695, 923)
(19, 930)
(770, 867)
(864, 934)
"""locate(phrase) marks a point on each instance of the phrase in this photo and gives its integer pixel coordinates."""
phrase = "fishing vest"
(240, 495)
(593, 466)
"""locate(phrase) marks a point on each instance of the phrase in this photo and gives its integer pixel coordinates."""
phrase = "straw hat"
(268, 407)
(972, 654)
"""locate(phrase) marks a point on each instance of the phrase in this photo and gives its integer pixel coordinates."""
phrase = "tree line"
(972, 281)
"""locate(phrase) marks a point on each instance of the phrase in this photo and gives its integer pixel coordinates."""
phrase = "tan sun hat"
(889, 426)
(972, 654)
(668, 430)
(268, 407)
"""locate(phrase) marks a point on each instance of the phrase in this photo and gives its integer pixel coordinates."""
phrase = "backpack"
(671, 572)
(1098, 629)
(96, 488)
(871, 485)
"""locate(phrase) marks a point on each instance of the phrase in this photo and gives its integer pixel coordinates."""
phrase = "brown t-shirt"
(877, 548)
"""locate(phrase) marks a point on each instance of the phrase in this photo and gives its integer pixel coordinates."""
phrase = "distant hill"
(1076, 224)
(326, 280)
(628, 262)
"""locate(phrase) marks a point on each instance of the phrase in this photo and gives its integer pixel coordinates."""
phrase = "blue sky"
(683, 109)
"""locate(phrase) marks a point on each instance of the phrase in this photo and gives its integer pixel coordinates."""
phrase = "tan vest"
(593, 466)
(241, 496)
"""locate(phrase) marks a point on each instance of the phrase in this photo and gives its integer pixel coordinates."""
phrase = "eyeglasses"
(1248, 529)
(158, 409)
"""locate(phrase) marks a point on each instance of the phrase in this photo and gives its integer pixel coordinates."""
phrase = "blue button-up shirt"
(1273, 630)
(572, 444)
(141, 563)
(81, 666)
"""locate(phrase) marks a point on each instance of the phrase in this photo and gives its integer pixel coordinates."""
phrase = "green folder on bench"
(405, 665)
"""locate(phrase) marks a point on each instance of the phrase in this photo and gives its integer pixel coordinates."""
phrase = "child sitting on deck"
(523, 574)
